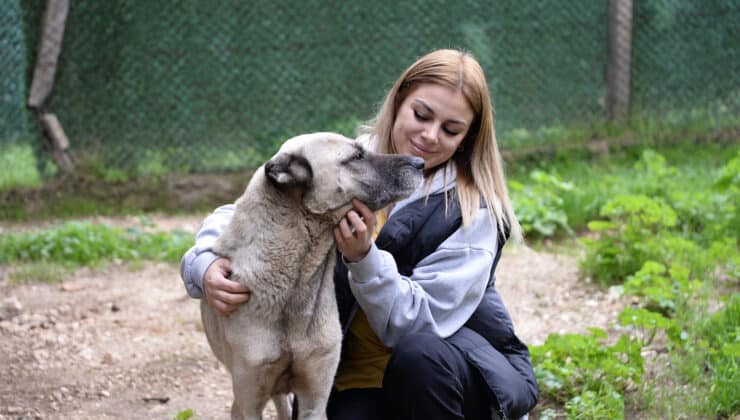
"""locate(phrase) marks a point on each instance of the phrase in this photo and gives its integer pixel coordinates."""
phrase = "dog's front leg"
(312, 382)
(249, 397)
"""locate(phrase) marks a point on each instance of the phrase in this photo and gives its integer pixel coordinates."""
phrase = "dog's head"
(327, 170)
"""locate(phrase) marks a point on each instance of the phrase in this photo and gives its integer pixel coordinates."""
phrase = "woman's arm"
(441, 294)
(205, 273)
(199, 258)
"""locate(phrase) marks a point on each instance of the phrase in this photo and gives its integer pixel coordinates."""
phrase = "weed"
(40, 272)
(186, 414)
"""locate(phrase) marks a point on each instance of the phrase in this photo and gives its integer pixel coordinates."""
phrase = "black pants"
(426, 378)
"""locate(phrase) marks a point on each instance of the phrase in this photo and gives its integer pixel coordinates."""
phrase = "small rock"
(86, 353)
(104, 393)
(73, 286)
(40, 355)
(6, 326)
(108, 359)
(14, 410)
(10, 308)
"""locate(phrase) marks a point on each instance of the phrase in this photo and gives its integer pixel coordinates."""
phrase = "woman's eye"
(419, 116)
(451, 132)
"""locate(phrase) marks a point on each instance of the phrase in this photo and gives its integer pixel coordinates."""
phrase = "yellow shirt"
(364, 356)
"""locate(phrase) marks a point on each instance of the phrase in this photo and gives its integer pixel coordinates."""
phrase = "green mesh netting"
(205, 86)
(13, 123)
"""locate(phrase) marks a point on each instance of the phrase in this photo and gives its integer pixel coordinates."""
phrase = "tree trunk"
(619, 48)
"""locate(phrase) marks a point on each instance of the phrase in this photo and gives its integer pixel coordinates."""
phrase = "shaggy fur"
(287, 337)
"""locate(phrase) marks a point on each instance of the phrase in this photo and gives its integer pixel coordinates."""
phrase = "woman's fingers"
(364, 211)
(358, 225)
(223, 295)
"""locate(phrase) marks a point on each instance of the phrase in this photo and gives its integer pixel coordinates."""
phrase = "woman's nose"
(431, 132)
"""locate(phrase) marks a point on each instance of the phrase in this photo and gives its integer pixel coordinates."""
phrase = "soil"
(125, 341)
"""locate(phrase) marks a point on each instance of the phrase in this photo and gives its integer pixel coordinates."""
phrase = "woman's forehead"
(444, 100)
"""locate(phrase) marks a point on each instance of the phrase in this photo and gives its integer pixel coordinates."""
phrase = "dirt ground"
(126, 341)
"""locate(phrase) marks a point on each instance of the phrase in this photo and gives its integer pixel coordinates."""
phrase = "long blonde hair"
(479, 165)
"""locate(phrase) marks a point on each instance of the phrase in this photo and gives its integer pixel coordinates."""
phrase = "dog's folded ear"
(287, 170)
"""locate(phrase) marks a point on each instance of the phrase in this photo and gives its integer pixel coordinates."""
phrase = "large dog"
(287, 337)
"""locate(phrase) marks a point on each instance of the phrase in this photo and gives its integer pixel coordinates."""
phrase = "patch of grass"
(586, 375)
(665, 220)
(18, 165)
(85, 243)
(39, 272)
(76, 196)
(595, 180)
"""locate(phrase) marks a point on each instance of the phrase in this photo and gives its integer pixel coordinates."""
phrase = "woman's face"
(431, 123)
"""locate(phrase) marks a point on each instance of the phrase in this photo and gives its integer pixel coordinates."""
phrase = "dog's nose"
(417, 162)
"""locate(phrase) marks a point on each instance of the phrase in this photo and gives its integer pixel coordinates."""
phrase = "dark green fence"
(195, 86)
(13, 118)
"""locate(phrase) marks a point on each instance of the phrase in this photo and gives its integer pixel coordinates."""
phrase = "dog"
(287, 337)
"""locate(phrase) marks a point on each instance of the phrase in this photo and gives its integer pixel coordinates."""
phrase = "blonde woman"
(427, 336)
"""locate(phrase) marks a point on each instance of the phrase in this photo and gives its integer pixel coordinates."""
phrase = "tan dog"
(287, 338)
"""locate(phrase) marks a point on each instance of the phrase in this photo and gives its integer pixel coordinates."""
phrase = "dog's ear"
(289, 170)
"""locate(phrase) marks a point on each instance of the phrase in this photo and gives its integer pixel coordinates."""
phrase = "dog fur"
(287, 337)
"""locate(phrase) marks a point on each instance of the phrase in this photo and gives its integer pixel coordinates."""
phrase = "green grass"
(664, 220)
(598, 179)
(85, 243)
(39, 272)
(186, 414)
(19, 168)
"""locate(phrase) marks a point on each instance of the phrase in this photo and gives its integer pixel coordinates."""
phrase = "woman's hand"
(223, 295)
(354, 233)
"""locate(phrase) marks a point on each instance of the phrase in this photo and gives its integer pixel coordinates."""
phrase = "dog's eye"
(358, 156)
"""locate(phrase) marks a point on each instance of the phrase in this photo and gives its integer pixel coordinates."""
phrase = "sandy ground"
(126, 341)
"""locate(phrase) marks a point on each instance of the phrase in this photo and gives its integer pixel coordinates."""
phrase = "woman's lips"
(418, 149)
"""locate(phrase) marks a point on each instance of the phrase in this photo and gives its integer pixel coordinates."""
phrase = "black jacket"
(487, 340)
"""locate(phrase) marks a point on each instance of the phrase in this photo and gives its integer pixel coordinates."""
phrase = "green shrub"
(664, 289)
(654, 174)
(589, 376)
(539, 204)
(626, 238)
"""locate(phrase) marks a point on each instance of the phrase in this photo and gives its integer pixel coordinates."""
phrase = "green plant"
(647, 323)
(19, 167)
(186, 414)
(626, 237)
(605, 403)
(539, 204)
(720, 335)
(586, 374)
(664, 289)
(85, 243)
(729, 175)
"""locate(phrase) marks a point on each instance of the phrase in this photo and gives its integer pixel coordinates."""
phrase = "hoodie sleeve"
(197, 259)
(442, 292)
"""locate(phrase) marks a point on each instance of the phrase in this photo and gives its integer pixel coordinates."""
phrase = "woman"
(426, 334)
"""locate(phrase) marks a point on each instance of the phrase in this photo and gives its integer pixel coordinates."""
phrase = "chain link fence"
(153, 87)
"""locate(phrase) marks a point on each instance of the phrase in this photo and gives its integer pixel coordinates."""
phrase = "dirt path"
(126, 342)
